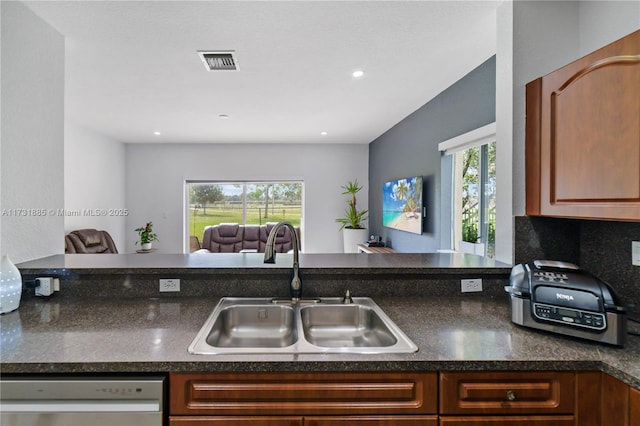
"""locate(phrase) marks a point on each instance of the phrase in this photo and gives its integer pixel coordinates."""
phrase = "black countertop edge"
(315, 366)
(424, 271)
(254, 262)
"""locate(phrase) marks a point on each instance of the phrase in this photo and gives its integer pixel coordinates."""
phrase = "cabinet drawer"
(234, 421)
(303, 393)
(508, 421)
(506, 393)
(372, 421)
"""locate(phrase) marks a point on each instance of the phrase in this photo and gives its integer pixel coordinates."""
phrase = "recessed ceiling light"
(323, 133)
(223, 116)
(157, 133)
(358, 73)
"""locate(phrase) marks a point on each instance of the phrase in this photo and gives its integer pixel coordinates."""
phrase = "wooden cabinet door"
(506, 393)
(583, 136)
(615, 402)
(371, 421)
(297, 394)
(508, 421)
(634, 407)
(234, 421)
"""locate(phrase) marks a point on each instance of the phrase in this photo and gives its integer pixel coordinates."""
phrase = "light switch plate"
(635, 253)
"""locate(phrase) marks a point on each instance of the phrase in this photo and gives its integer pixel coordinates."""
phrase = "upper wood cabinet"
(583, 136)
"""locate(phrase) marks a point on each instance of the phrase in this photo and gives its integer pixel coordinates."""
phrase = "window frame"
(186, 201)
(480, 137)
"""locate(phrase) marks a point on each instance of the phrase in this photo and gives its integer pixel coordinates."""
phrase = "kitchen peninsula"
(110, 317)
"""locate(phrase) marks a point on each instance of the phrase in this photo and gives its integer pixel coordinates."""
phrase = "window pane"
(248, 203)
(475, 200)
(470, 194)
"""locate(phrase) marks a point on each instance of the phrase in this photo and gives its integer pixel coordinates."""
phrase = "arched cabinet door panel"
(583, 136)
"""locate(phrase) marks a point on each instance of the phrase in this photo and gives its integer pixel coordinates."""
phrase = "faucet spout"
(295, 287)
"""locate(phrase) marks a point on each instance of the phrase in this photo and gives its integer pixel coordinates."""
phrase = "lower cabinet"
(235, 421)
(318, 399)
(305, 421)
(634, 407)
(457, 398)
(507, 398)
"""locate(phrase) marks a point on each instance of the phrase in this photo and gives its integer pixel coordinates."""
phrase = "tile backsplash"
(600, 247)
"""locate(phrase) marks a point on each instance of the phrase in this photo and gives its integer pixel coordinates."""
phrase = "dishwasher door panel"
(80, 419)
(82, 401)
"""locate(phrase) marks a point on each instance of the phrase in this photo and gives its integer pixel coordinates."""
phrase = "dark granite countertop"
(464, 332)
(249, 263)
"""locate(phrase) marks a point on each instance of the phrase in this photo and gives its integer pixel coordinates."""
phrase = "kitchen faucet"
(270, 257)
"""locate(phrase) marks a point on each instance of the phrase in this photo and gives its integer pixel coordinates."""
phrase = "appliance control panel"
(567, 316)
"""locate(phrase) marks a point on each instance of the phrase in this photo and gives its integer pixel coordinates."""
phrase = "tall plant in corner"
(354, 231)
(352, 217)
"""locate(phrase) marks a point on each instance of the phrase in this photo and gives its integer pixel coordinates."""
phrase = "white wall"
(156, 175)
(504, 133)
(602, 22)
(94, 182)
(534, 39)
(32, 136)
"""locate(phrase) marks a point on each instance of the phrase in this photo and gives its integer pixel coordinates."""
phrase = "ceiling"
(132, 67)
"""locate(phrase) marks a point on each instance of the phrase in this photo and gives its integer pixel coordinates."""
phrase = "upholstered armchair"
(223, 238)
(284, 241)
(89, 241)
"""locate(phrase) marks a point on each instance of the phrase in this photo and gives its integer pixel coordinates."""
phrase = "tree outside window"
(476, 196)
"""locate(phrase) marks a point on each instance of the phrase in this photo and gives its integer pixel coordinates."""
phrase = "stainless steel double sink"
(264, 325)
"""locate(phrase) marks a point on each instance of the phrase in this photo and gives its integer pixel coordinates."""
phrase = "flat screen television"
(402, 204)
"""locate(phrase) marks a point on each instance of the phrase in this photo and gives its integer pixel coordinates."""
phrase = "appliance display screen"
(567, 313)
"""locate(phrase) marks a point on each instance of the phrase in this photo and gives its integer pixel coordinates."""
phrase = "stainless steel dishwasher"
(82, 401)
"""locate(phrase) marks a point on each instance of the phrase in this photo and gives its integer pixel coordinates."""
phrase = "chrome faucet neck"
(270, 256)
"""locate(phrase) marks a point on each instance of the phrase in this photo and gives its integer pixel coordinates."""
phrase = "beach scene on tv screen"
(402, 204)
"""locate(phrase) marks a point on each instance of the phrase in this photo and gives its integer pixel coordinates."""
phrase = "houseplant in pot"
(147, 236)
(354, 232)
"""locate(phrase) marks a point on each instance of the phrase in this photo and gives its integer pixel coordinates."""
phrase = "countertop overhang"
(249, 263)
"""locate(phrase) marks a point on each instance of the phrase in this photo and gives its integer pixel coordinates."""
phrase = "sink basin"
(268, 326)
(263, 325)
(351, 325)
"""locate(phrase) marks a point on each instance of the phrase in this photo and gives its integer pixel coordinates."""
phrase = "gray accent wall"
(410, 148)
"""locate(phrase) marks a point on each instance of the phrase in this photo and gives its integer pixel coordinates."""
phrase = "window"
(472, 158)
(246, 203)
(475, 188)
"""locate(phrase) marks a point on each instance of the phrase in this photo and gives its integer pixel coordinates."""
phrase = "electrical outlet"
(169, 285)
(470, 285)
(635, 253)
(44, 287)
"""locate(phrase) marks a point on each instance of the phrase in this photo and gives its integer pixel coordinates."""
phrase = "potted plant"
(469, 243)
(353, 229)
(147, 236)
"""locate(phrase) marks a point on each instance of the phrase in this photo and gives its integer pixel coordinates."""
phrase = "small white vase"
(10, 286)
(146, 246)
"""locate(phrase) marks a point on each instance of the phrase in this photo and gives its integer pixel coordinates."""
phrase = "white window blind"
(477, 137)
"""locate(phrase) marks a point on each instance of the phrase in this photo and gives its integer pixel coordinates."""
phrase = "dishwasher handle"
(86, 406)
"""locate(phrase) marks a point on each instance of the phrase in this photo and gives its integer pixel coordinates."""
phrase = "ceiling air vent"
(219, 61)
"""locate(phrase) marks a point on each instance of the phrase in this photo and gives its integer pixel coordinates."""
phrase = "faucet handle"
(347, 297)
